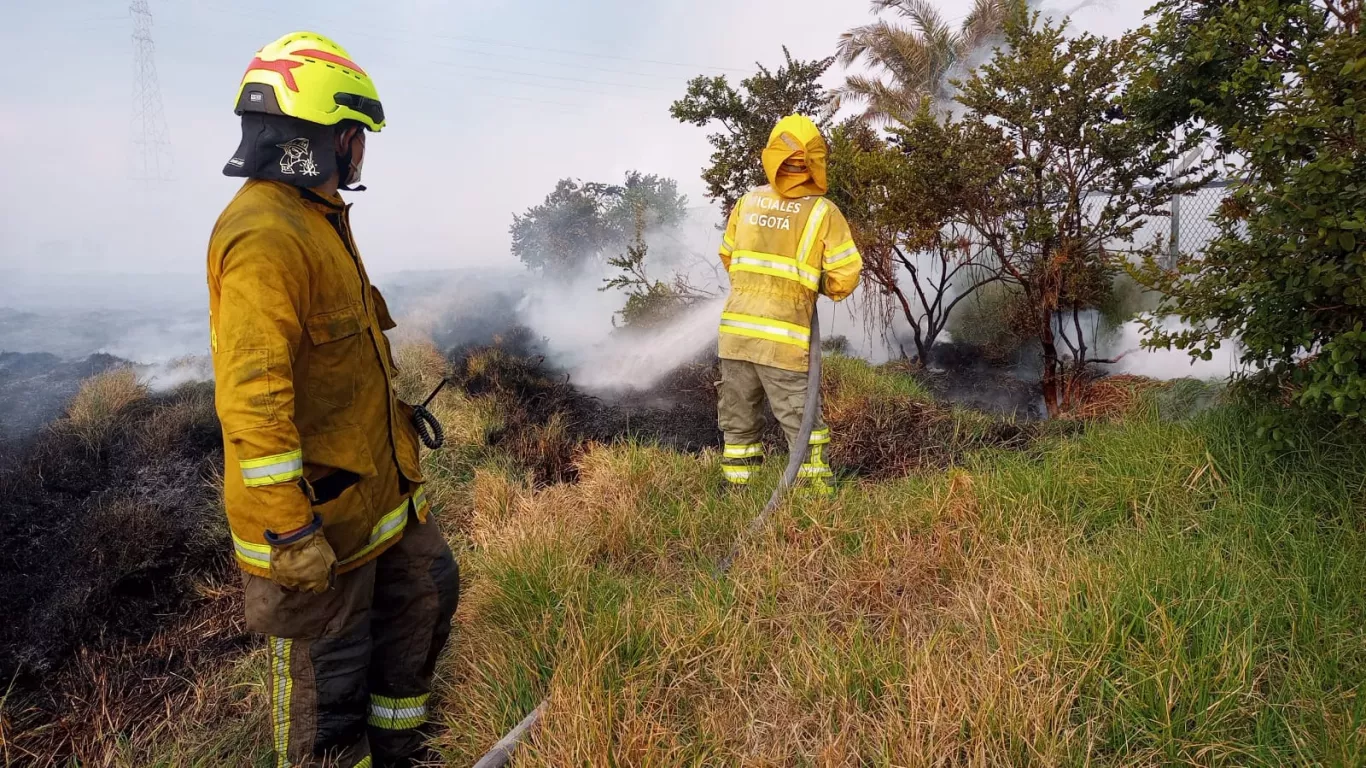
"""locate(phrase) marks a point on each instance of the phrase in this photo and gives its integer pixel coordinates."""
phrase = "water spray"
(501, 753)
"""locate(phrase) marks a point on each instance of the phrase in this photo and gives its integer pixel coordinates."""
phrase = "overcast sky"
(488, 104)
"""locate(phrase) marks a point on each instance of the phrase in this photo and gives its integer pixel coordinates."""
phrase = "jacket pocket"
(335, 462)
(338, 449)
(336, 356)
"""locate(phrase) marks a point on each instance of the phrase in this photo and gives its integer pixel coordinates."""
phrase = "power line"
(151, 145)
(486, 41)
(506, 44)
(493, 70)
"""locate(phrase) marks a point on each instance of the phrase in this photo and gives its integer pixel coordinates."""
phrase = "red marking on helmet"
(313, 53)
(281, 67)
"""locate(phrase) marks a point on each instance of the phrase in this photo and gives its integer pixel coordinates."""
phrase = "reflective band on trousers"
(397, 714)
(388, 527)
(739, 475)
(272, 470)
(820, 437)
(815, 465)
(765, 328)
(743, 451)
(281, 690)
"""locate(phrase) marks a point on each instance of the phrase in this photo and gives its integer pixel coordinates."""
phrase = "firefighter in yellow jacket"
(345, 570)
(784, 244)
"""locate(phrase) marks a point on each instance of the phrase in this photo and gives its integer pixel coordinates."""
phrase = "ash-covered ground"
(35, 387)
(959, 374)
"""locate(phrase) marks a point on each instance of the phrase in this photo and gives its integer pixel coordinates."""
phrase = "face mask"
(353, 175)
(351, 179)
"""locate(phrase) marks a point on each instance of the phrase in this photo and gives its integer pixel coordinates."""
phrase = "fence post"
(1174, 254)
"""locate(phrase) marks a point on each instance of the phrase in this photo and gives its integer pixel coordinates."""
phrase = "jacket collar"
(333, 203)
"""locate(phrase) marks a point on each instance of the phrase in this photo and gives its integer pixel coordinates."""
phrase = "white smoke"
(164, 377)
(1124, 345)
(638, 360)
(1167, 364)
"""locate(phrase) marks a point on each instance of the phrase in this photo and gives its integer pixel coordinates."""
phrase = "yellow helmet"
(307, 76)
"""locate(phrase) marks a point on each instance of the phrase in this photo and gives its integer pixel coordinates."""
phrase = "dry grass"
(1111, 397)
(893, 625)
(1097, 602)
(421, 366)
(99, 402)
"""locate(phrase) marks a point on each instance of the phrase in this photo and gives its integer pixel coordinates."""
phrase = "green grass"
(1154, 591)
(858, 376)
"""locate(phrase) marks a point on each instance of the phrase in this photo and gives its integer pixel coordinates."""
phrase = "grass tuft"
(99, 401)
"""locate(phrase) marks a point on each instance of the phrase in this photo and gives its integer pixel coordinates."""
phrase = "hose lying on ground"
(501, 754)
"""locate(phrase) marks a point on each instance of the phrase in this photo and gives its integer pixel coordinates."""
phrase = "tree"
(747, 117)
(1280, 86)
(907, 199)
(1082, 180)
(580, 222)
(649, 302)
(913, 65)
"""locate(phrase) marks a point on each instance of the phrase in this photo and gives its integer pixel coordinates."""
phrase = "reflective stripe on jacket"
(303, 373)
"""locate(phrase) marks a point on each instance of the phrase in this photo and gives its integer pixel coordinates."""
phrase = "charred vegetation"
(114, 526)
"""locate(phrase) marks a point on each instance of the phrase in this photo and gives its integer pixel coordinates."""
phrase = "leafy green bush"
(1280, 84)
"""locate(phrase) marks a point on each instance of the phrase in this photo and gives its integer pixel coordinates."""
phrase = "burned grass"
(1090, 397)
(547, 422)
(115, 513)
(884, 423)
(33, 388)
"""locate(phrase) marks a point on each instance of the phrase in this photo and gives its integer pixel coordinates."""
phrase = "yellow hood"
(796, 135)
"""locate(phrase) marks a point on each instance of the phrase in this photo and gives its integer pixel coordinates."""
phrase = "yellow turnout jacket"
(303, 373)
(784, 244)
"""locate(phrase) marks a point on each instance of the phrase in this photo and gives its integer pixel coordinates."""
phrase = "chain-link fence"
(1186, 230)
(1190, 227)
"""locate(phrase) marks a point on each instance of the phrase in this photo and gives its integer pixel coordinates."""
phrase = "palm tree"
(910, 65)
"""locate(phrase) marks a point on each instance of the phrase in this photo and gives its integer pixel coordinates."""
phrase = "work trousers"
(351, 669)
(744, 385)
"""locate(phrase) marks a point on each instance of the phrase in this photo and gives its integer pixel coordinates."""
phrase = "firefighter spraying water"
(784, 246)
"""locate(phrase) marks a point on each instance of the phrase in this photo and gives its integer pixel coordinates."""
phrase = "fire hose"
(501, 753)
